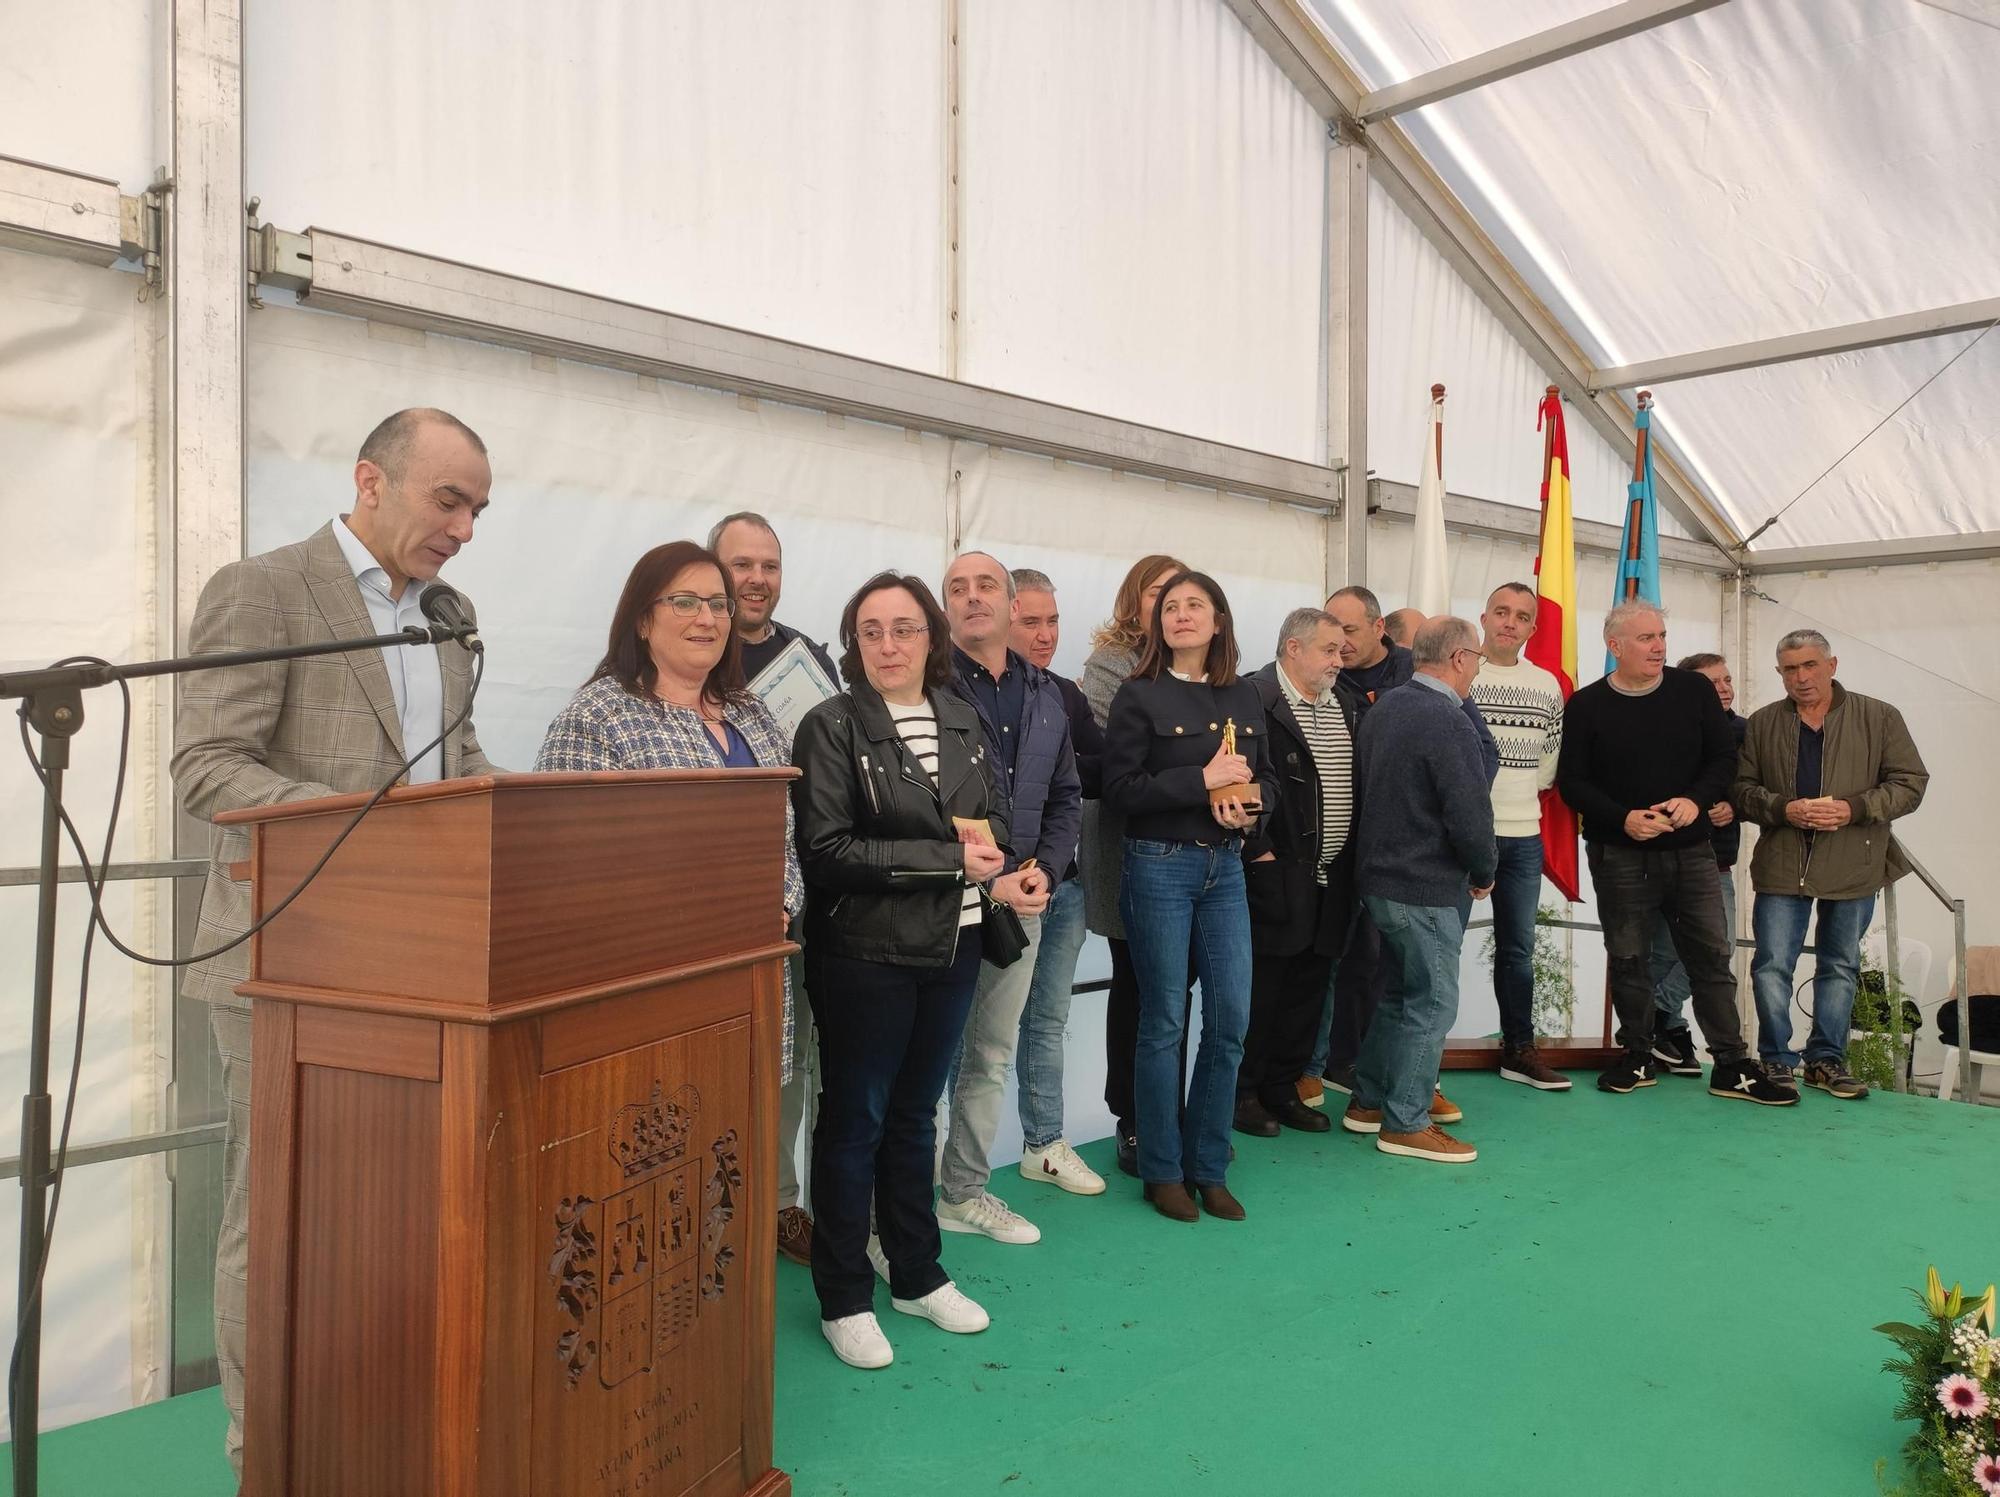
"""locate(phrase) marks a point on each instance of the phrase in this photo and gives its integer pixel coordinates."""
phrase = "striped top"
(1332, 748)
(919, 730)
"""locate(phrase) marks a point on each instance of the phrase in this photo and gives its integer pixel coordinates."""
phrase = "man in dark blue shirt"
(1027, 735)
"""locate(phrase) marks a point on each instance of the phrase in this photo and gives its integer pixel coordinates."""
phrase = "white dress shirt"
(414, 675)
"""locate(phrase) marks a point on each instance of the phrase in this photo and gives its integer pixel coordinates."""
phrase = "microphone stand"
(52, 704)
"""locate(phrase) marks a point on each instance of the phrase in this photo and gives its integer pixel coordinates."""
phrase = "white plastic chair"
(1985, 964)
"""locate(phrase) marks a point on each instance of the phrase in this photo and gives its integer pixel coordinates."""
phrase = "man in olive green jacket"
(1823, 773)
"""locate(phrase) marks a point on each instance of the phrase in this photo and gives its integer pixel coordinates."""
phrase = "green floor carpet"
(1658, 1293)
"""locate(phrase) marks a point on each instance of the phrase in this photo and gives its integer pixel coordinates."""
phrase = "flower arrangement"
(1950, 1367)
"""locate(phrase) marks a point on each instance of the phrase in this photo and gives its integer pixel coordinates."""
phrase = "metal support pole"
(55, 714)
(1347, 347)
(1894, 969)
(1964, 986)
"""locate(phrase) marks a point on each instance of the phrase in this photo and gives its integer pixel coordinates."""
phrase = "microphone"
(444, 605)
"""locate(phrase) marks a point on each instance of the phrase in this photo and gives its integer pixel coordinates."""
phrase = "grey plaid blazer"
(258, 735)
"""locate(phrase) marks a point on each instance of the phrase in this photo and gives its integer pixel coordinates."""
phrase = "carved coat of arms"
(631, 1271)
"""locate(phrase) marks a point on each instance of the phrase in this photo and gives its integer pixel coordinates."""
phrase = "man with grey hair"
(1298, 872)
(1046, 1155)
(747, 546)
(1824, 771)
(1426, 852)
(1645, 752)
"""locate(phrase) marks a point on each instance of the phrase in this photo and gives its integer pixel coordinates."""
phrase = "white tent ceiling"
(1764, 168)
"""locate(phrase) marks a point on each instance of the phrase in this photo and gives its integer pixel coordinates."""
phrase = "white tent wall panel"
(1426, 326)
(1919, 638)
(1144, 213)
(770, 166)
(78, 575)
(81, 86)
(591, 468)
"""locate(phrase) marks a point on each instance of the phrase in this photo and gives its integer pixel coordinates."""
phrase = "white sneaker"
(858, 1340)
(988, 1216)
(945, 1308)
(878, 1258)
(1059, 1164)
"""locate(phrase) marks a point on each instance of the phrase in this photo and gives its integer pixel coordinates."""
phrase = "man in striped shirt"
(1298, 870)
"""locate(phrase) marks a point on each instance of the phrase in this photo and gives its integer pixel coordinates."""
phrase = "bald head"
(1402, 625)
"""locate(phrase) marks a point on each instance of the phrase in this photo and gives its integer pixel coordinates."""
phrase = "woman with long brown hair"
(1115, 650)
(1187, 762)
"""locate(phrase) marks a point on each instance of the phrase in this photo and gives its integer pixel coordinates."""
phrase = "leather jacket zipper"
(868, 779)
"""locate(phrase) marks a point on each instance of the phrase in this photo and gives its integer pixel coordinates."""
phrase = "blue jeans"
(1038, 1059)
(1779, 923)
(1517, 892)
(1176, 892)
(1671, 988)
(1399, 1059)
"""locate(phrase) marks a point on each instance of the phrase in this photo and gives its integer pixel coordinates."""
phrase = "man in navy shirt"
(1034, 766)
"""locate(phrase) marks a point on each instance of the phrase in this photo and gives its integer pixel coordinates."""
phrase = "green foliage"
(1885, 1024)
(1948, 1340)
(1555, 988)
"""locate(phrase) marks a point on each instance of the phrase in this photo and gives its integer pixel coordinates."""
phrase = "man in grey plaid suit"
(259, 735)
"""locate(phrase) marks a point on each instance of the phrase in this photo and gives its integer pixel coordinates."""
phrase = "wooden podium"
(514, 1103)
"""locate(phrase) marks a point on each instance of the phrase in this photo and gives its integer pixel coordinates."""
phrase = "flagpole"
(1641, 456)
(1437, 428)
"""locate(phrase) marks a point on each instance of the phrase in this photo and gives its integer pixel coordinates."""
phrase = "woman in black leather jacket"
(892, 950)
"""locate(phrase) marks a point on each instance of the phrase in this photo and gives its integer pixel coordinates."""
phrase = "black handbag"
(1003, 939)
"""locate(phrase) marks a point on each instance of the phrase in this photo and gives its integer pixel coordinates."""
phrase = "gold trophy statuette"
(1251, 798)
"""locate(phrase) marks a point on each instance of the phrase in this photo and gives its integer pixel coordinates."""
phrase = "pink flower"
(1961, 1397)
(1986, 1471)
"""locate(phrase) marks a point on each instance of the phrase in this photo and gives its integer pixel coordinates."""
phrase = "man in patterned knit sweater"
(1523, 705)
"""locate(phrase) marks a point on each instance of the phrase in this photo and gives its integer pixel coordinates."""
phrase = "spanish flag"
(1553, 644)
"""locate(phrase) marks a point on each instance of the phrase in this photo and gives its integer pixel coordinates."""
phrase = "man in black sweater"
(1426, 851)
(1645, 752)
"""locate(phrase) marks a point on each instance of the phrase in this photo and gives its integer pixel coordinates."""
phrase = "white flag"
(1430, 572)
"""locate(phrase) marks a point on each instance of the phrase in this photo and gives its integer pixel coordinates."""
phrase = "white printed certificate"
(792, 685)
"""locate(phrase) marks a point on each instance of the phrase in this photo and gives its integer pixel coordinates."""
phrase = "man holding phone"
(1645, 751)
(1027, 739)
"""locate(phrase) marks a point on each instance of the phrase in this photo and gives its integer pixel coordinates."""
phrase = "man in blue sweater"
(1426, 851)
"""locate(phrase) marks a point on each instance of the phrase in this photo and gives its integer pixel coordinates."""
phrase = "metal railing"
(1961, 977)
(169, 1140)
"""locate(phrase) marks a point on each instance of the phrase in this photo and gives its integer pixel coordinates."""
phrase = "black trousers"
(1121, 1032)
(887, 1035)
(1641, 887)
(1359, 983)
(1287, 997)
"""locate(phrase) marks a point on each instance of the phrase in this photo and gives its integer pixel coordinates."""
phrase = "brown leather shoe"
(1312, 1091)
(1433, 1144)
(1172, 1201)
(1444, 1110)
(1217, 1201)
(795, 1235)
(1359, 1119)
(1528, 1068)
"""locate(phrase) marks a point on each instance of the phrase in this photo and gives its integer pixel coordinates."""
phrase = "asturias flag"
(1553, 644)
(1430, 571)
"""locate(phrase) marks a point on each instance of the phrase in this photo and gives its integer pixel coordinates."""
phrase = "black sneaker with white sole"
(1746, 1081)
(1674, 1050)
(1628, 1073)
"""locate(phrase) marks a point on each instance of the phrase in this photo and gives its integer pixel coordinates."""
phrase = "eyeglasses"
(869, 634)
(1469, 650)
(687, 605)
